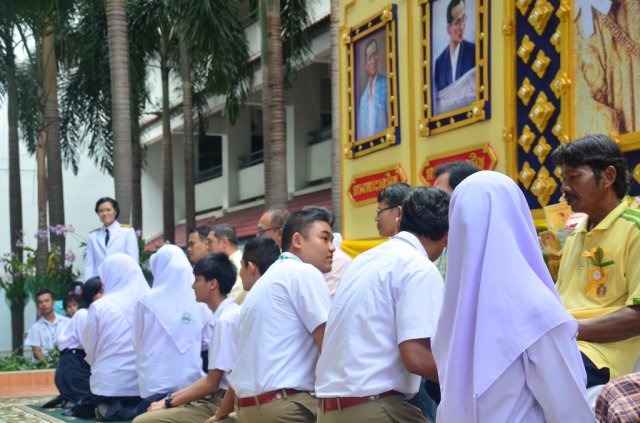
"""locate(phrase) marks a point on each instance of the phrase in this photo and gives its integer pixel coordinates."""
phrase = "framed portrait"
(372, 90)
(455, 65)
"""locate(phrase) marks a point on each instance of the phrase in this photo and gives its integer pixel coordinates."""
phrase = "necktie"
(106, 238)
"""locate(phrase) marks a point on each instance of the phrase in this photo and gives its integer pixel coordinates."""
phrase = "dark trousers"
(112, 408)
(427, 399)
(72, 375)
(595, 376)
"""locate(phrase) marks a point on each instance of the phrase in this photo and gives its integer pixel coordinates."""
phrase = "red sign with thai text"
(365, 188)
(483, 157)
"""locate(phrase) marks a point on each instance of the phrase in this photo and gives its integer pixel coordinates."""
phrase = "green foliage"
(17, 362)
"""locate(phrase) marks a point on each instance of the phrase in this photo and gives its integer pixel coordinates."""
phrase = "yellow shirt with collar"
(588, 290)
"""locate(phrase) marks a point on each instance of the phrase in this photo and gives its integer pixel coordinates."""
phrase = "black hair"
(452, 4)
(217, 266)
(598, 152)
(202, 231)
(72, 298)
(458, 172)
(113, 202)
(225, 230)
(91, 287)
(425, 213)
(73, 288)
(395, 194)
(44, 291)
(301, 220)
(262, 251)
(278, 217)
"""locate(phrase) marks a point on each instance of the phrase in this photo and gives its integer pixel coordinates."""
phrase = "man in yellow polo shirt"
(599, 276)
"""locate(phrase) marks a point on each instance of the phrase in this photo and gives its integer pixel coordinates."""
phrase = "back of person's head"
(278, 217)
(44, 292)
(225, 230)
(91, 287)
(113, 202)
(300, 221)
(395, 194)
(75, 288)
(458, 172)
(598, 152)
(71, 299)
(217, 266)
(202, 231)
(263, 251)
(425, 213)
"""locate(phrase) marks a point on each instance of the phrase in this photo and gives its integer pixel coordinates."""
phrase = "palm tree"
(187, 113)
(336, 146)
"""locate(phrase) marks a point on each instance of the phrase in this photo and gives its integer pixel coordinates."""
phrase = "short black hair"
(202, 231)
(113, 202)
(301, 220)
(262, 251)
(225, 230)
(598, 152)
(217, 266)
(452, 4)
(73, 288)
(395, 194)
(44, 291)
(425, 213)
(458, 172)
(91, 287)
(72, 298)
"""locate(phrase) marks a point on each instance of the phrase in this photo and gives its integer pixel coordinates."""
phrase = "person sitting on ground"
(504, 346)
(73, 372)
(214, 277)
(168, 327)
(44, 332)
(108, 338)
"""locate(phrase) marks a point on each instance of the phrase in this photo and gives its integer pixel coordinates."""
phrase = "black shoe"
(54, 403)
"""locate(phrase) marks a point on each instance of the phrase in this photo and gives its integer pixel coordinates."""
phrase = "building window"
(209, 163)
(256, 155)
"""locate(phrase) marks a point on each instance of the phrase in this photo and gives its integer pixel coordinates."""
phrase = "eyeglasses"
(261, 231)
(461, 20)
(379, 210)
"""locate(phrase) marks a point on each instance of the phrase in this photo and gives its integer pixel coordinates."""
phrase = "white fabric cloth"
(454, 62)
(499, 299)
(341, 261)
(276, 349)
(44, 334)
(237, 291)
(388, 295)
(108, 335)
(222, 350)
(70, 336)
(121, 240)
(168, 326)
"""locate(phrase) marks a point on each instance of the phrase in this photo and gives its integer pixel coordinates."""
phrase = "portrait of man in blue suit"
(373, 105)
(459, 57)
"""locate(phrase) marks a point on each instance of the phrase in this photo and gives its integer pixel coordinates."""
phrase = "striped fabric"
(619, 400)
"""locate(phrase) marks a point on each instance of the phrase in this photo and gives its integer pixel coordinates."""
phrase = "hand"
(215, 418)
(158, 405)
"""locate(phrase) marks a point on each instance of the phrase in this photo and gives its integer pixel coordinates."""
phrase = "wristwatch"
(167, 401)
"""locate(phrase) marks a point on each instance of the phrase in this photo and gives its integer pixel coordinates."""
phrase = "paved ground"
(11, 414)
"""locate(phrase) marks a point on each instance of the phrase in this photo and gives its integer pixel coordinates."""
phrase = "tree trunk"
(187, 110)
(168, 218)
(136, 185)
(17, 324)
(55, 192)
(336, 145)
(120, 106)
(273, 101)
(15, 185)
(42, 251)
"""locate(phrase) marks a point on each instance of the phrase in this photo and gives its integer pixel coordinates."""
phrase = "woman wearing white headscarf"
(169, 326)
(108, 335)
(504, 346)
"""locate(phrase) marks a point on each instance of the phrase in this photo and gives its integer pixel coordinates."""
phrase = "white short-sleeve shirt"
(388, 295)
(70, 336)
(222, 349)
(276, 349)
(44, 333)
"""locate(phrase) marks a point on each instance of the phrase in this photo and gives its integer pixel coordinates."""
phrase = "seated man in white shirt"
(377, 340)
(44, 332)
(214, 277)
(281, 325)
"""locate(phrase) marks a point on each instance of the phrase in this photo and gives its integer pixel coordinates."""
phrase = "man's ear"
(253, 270)
(296, 240)
(609, 176)
(213, 286)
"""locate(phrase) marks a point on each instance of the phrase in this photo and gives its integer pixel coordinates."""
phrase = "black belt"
(78, 351)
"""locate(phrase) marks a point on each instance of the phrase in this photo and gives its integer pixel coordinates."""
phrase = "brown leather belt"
(340, 403)
(266, 397)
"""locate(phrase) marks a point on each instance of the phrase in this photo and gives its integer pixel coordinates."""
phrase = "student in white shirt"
(214, 277)
(44, 332)
(168, 326)
(282, 325)
(376, 343)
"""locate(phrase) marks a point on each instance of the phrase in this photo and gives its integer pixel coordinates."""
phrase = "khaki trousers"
(391, 409)
(194, 412)
(298, 408)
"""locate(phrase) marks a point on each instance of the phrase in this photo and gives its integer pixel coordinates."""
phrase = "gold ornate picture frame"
(372, 84)
(455, 92)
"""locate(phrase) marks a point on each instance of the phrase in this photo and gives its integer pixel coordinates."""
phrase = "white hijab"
(172, 300)
(123, 282)
(499, 297)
